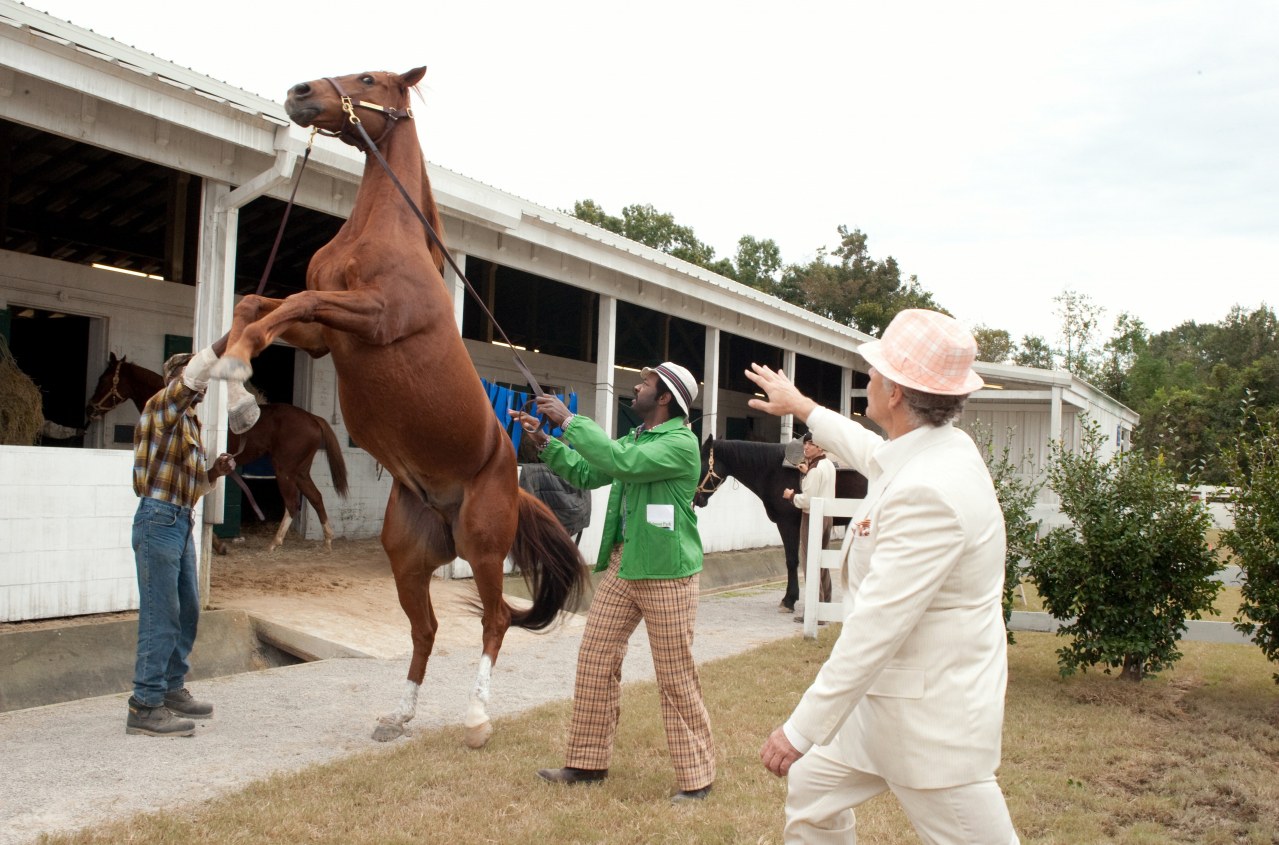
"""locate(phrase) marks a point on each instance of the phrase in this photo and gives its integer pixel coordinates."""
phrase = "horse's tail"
(333, 451)
(550, 562)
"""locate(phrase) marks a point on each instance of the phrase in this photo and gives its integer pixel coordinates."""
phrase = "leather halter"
(349, 105)
(710, 476)
(100, 406)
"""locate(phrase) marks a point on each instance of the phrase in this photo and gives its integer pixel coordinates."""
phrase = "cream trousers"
(822, 792)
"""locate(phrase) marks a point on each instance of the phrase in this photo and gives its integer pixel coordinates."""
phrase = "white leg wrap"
(477, 710)
(196, 374)
(242, 407)
(408, 704)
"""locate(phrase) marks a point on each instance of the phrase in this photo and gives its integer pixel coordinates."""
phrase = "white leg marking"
(389, 727)
(328, 536)
(279, 534)
(478, 726)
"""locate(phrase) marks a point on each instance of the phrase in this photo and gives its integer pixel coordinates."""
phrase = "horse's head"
(332, 104)
(107, 394)
(121, 381)
(711, 478)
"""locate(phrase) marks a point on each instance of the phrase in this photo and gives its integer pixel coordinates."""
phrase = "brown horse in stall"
(290, 435)
(376, 301)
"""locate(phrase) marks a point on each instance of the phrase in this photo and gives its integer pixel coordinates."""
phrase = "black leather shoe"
(570, 775)
(686, 795)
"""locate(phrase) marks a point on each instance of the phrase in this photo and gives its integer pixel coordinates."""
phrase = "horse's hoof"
(477, 735)
(231, 369)
(387, 731)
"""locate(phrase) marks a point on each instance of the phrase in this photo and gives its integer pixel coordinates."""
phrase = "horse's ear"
(413, 76)
(112, 359)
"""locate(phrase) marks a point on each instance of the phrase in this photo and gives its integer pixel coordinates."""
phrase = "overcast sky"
(1001, 152)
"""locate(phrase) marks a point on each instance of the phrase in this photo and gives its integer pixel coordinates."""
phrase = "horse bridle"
(100, 406)
(350, 104)
(710, 476)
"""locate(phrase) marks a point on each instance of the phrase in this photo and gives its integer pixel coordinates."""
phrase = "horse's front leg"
(259, 321)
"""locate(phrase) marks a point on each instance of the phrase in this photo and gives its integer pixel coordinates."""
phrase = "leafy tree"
(993, 345)
(850, 287)
(1034, 351)
(1017, 496)
(645, 224)
(758, 263)
(1119, 354)
(1080, 317)
(1254, 539)
(1131, 568)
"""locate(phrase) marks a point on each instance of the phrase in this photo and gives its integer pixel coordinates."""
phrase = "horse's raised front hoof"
(477, 735)
(231, 369)
(388, 730)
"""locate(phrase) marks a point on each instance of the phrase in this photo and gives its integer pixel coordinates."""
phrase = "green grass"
(1191, 756)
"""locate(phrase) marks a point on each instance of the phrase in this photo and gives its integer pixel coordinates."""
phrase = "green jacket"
(654, 475)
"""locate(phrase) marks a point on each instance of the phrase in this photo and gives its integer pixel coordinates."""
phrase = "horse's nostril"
(301, 89)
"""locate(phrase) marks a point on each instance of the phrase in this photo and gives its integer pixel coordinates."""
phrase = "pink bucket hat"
(928, 351)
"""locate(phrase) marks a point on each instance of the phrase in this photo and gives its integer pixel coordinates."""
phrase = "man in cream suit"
(912, 696)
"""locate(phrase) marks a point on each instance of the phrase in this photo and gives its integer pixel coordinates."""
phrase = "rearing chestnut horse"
(376, 301)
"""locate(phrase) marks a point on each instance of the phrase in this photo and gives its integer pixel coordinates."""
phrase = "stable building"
(139, 199)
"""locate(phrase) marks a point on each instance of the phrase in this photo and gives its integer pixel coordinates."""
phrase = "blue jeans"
(168, 598)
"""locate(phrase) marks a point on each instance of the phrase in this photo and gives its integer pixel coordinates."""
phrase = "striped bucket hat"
(681, 382)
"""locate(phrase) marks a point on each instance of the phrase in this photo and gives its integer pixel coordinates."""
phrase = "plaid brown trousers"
(669, 611)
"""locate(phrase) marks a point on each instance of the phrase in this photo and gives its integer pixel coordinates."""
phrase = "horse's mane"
(749, 455)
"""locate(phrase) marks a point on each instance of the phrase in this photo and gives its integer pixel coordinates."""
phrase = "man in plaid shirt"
(169, 477)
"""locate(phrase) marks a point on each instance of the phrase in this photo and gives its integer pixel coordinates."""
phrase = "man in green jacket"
(651, 555)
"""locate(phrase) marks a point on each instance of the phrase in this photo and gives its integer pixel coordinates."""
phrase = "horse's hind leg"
(289, 495)
(312, 493)
(417, 541)
(484, 532)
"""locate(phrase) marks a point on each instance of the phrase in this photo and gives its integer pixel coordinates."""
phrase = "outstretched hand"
(783, 397)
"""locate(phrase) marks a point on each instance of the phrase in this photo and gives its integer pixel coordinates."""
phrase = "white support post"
(712, 425)
(605, 355)
(457, 287)
(846, 391)
(214, 303)
(788, 421)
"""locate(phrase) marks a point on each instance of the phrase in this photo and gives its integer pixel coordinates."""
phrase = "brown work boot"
(155, 721)
(183, 703)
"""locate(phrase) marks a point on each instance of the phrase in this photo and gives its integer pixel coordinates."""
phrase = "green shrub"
(1254, 539)
(1016, 499)
(1130, 569)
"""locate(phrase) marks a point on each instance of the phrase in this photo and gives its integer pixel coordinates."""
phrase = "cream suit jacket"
(914, 687)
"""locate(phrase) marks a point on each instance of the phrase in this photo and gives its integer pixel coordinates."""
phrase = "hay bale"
(21, 406)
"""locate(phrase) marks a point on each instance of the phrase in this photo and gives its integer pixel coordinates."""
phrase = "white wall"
(66, 519)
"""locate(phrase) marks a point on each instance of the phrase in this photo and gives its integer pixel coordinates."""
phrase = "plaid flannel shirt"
(168, 455)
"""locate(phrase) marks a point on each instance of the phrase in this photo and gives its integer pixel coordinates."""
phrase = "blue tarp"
(503, 399)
